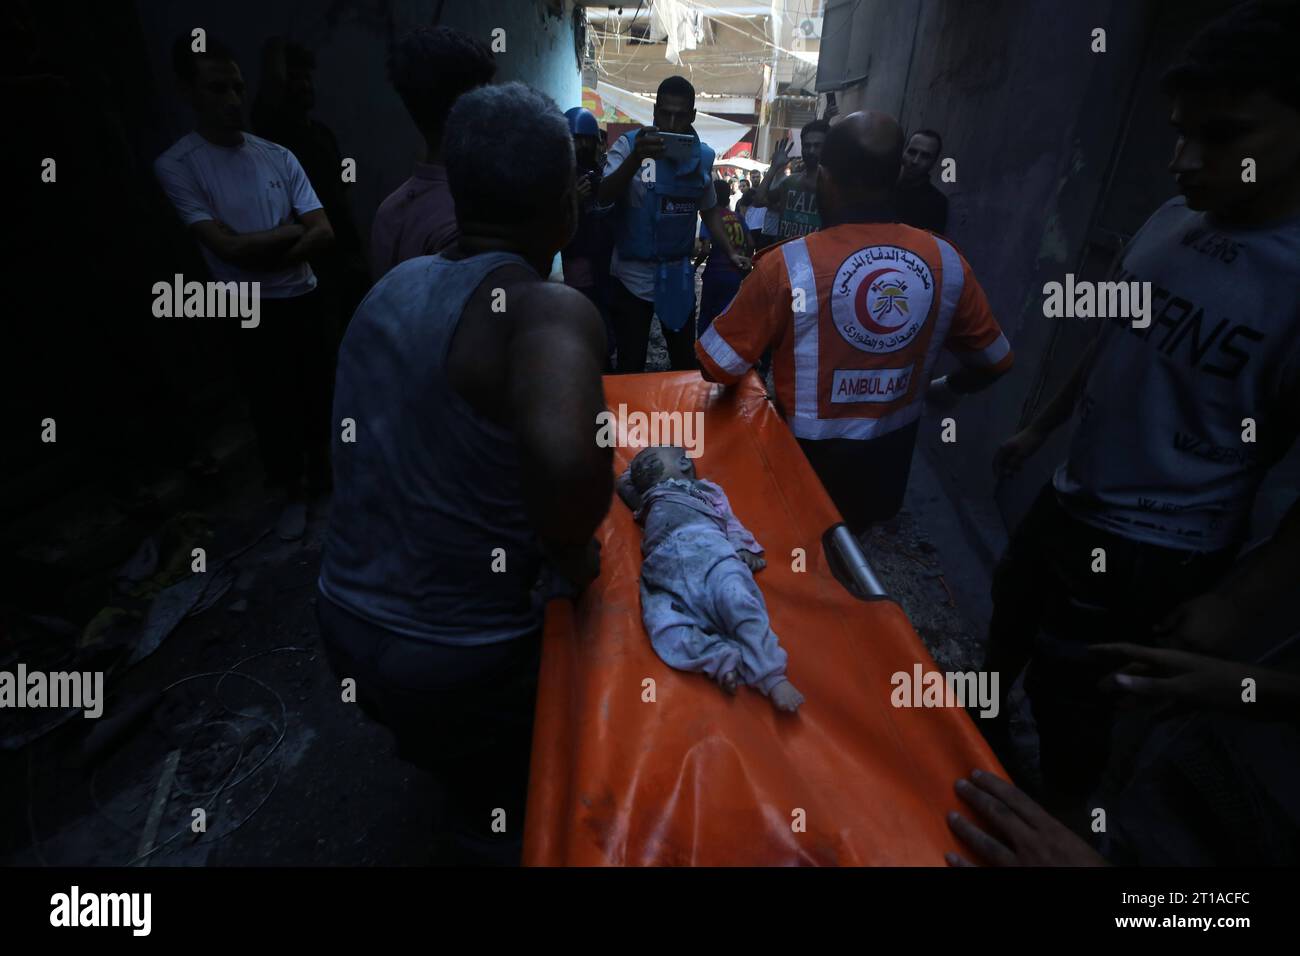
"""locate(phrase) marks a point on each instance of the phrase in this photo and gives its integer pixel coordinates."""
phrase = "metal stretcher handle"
(850, 565)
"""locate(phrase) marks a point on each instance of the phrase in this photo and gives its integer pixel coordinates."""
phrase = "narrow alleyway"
(253, 730)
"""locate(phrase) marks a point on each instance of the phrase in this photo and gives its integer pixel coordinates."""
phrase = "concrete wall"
(1031, 117)
(351, 38)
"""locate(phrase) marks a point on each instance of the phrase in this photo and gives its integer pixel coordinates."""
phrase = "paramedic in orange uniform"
(855, 315)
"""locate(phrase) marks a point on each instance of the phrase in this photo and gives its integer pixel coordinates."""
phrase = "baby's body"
(701, 606)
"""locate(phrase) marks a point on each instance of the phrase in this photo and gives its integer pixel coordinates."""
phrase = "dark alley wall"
(1031, 117)
(136, 399)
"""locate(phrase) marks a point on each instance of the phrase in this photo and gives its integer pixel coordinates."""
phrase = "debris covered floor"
(286, 772)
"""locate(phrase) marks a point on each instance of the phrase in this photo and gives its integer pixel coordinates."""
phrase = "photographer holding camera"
(656, 180)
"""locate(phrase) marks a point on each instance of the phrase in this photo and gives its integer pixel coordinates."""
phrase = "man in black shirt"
(916, 201)
(283, 114)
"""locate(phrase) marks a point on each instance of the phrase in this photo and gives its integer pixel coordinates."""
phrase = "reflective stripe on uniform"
(722, 353)
(798, 267)
(805, 421)
(859, 428)
(989, 356)
(954, 280)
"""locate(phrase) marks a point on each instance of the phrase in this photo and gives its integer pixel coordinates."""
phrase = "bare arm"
(318, 235)
(1010, 829)
(627, 491)
(1058, 411)
(763, 195)
(702, 248)
(1201, 681)
(1013, 452)
(557, 352)
(259, 251)
(613, 187)
(718, 232)
(768, 195)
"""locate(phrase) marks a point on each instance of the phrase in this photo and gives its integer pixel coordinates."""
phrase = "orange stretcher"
(696, 777)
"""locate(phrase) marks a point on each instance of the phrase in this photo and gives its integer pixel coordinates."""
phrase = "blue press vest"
(663, 226)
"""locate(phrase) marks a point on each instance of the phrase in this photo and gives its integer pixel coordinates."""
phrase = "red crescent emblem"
(864, 313)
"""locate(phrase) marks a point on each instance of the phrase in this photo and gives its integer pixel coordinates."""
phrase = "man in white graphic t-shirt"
(1177, 422)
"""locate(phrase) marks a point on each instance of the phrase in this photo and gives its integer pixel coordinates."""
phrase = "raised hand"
(1015, 451)
(781, 155)
(649, 144)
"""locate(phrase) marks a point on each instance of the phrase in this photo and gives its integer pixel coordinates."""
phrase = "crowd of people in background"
(448, 649)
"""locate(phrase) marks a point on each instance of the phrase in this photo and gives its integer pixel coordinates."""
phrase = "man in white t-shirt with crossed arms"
(257, 219)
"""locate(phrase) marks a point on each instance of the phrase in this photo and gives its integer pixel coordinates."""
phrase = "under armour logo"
(276, 183)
